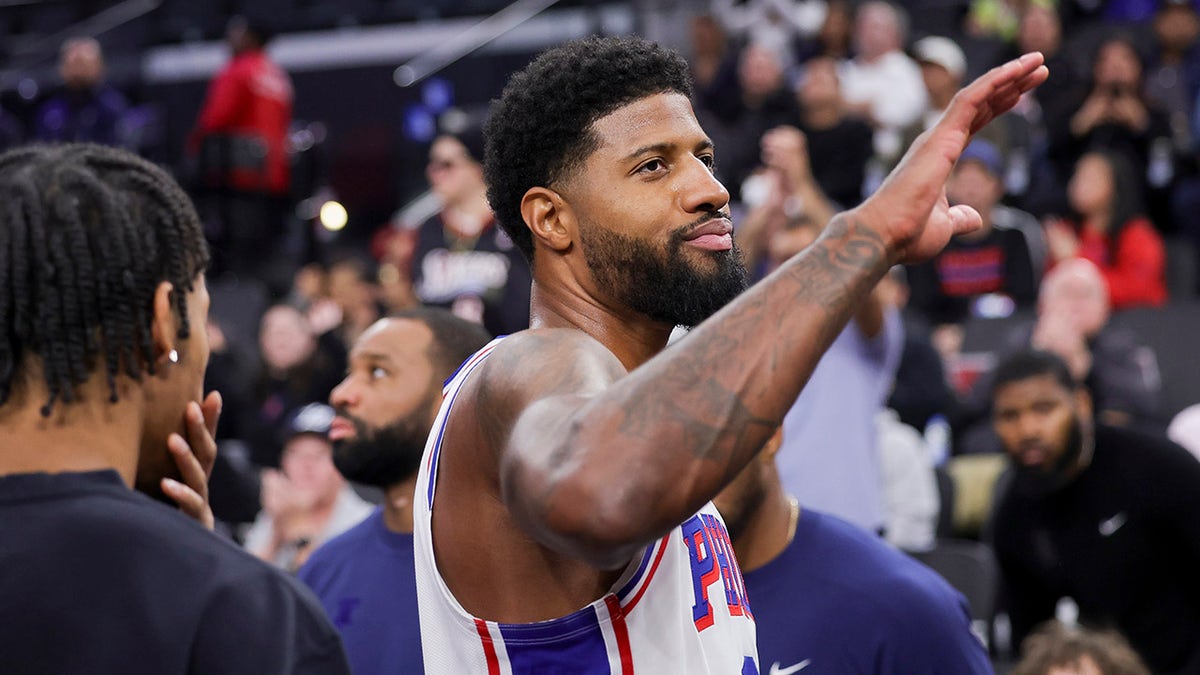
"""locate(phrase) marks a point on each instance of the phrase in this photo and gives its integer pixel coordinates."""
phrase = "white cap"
(941, 51)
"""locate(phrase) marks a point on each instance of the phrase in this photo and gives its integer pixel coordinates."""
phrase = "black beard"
(385, 456)
(1039, 482)
(662, 286)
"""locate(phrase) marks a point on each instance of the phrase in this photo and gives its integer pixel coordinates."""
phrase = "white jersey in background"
(680, 607)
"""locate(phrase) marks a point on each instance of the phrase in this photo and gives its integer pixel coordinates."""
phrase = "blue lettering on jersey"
(711, 557)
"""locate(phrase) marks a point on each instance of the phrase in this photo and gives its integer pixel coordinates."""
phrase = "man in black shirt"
(102, 356)
(1106, 516)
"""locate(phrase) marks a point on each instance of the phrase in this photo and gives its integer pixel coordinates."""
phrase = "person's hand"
(1061, 240)
(195, 456)
(785, 149)
(909, 211)
(282, 499)
(324, 315)
(1056, 333)
(1095, 109)
(1129, 111)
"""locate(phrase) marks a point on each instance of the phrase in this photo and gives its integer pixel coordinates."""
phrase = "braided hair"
(87, 233)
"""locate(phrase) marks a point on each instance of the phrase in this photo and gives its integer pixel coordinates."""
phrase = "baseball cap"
(979, 150)
(941, 51)
(314, 418)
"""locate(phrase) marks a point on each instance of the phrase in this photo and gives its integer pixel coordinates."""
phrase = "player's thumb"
(965, 219)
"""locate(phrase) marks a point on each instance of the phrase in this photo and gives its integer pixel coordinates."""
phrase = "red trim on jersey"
(489, 649)
(662, 549)
(621, 631)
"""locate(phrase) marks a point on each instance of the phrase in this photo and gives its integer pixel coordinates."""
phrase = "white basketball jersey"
(680, 607)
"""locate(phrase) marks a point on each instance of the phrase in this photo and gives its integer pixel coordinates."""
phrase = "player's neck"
(89, 434)
(631, 337)
(768, 531)
(397, 505)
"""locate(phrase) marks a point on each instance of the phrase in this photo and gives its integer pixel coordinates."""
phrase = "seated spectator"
(87, 109)
(297, 367)
(839, 145)
(882, 84)
(988, 267)
(834, 39)
(308, 501)
(1109, 517)
(1112, 231)
(828, 594)
(910, 493)
(1173, 74)
(463, 261)
(1056, 649)
(775, 24)
(1111, 114)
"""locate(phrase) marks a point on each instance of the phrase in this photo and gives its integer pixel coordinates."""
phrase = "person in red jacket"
(1112, 232)
(240, 143)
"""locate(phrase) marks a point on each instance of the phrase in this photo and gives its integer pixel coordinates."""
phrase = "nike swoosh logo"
(1108, 527)
(776, 670)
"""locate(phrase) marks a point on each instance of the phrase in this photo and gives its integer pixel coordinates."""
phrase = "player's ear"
(549, 217)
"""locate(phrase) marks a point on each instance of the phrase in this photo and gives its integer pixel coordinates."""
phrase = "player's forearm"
(658, 444)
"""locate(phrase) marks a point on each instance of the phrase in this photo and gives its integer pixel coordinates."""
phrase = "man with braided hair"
(102, 357)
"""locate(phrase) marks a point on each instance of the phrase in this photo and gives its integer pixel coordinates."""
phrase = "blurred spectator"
(761, 100)
(1056, 649)
(710, 59)
(993, 19)
(386, 407)
(1108, 517)
(920, 392)
(825, 592)
(839, 145)
(775, 24)
(352, 305)
(87, 109)
(240, 139)
(881, 84)
(308, 501)
(910, 492)
(835, 36)
(988, 272)
(298, 366)
(462, 260)
(1047, 107)
(1112, 231)
(1173, 75)
(1111, 113)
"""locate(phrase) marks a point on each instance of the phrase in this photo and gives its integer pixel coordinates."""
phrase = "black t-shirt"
(487, 279)
(97, 578)
(1122, 540)
(838, 156)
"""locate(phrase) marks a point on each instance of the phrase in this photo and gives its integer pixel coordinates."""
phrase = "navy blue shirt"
(366, 580)
(97, 578)
(839, 600)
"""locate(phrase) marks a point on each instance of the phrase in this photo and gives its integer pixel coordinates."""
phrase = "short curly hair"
(540, 128)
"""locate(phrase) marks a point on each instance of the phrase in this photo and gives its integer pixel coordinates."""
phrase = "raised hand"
(910, 210)
(195, 457)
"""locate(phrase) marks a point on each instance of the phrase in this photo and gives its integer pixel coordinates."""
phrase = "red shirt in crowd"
(1136, 270)
(251, 98)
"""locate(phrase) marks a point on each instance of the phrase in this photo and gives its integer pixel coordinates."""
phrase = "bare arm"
(595, 465)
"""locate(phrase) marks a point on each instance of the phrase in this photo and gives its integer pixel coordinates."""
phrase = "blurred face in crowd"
(707, 37)
(759, 72)
(1044, 427)
(939, 82)
(821, 85)
(652, 219)
(453, 175)
(1040, 30)
(1092, 187)
(307, 461)
(1118, 65)
(81, 64)
(972, 184)
(1075, 290)
(285, 338)
(835, 33)
(387, 403)
(876, 30)
(1176, 26)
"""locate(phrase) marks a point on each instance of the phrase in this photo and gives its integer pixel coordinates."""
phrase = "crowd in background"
(1088, 193)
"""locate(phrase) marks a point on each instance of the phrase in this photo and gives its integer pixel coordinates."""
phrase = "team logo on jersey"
(712, 559)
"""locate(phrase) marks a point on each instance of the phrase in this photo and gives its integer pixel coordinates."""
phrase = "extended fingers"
(201, 422)
(189, 501)
(191, 469)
